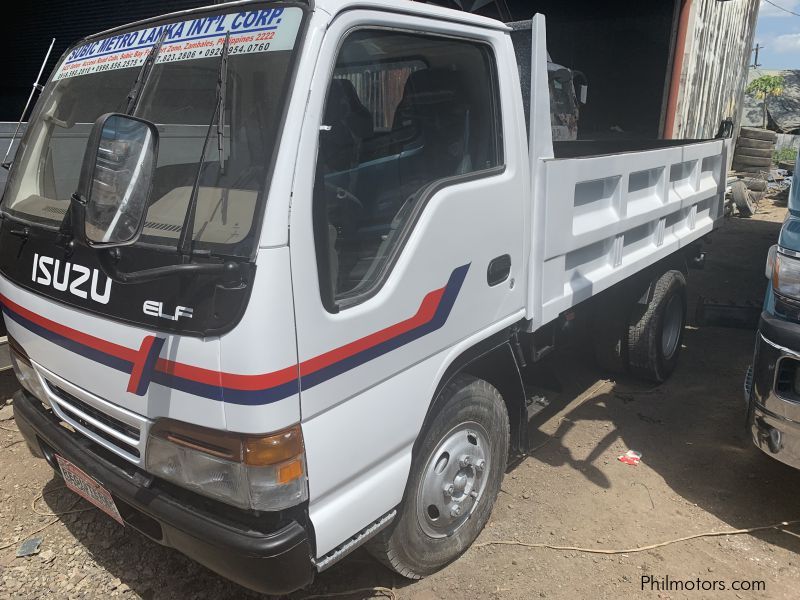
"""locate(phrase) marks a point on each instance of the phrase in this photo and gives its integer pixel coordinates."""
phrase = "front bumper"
(270, 557)
(773, 416)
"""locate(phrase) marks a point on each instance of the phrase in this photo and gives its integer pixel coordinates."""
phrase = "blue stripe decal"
(95, 355)
(440, 317)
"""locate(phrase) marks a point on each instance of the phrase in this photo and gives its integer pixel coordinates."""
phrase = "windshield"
(180, 95)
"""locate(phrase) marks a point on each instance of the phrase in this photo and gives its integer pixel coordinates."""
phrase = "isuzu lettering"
(271, 271)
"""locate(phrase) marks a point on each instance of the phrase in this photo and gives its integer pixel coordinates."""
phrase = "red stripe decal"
(425, 313)
(73, 334)
(138, 364)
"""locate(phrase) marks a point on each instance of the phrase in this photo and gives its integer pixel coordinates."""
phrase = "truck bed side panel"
(608, 217)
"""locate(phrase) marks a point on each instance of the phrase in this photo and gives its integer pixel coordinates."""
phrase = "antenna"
(37, 87)
(756, 64)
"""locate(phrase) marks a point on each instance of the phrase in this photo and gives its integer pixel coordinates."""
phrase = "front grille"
(787, 379)
(76, 408)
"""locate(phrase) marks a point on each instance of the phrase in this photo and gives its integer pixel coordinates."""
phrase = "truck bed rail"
(609, 216)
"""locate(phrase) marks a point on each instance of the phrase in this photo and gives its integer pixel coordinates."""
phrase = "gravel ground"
(699, 473)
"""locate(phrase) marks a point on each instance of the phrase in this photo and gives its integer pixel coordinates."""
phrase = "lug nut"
(480, 465)
(455, 511)
(449, 489)
(466, 460)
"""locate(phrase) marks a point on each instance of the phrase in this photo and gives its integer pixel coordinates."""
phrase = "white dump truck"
(270, 271)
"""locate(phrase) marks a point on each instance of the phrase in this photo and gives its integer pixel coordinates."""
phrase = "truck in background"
(568, 90)
(264, 319)
(772, 383)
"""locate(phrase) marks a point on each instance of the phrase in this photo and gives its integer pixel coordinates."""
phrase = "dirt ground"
(699, 473)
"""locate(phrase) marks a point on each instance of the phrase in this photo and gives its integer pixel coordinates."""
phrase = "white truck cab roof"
(334, 7)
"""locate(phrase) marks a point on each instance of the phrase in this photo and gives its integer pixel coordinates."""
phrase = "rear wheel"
(743, 198)
(751, 161)
(655, 337)
(754, 152)
(754, 133)
(745, 142)
(454, 481)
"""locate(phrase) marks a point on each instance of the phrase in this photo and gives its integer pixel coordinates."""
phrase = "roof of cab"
(334, 7)
(409, 7)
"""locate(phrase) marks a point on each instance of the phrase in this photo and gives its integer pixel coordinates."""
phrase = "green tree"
(763, 87)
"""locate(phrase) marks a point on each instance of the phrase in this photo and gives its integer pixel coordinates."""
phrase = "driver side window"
(403, 111)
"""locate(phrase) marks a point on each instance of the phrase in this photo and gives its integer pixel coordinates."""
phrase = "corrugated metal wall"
(716, 58)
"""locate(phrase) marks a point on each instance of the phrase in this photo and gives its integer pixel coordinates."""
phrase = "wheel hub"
(453, 480)
(673, 323)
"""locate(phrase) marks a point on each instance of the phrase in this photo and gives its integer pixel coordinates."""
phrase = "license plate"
(86, 487)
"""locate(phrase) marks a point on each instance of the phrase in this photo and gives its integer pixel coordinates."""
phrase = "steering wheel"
(344, 210)
(342, 194)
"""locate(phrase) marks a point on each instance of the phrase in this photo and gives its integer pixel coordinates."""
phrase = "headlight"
(786, 276)
(25, 373)
(253, 472)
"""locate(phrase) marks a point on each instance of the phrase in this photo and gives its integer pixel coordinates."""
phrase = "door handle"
(499, 270)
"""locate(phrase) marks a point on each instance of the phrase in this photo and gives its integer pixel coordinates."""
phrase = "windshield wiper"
(185, 243)
(222, 90)
(144, 74)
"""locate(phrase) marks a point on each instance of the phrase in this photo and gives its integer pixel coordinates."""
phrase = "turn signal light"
(273, 449)
(260, 472)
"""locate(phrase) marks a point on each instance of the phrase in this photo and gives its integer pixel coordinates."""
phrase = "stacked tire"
(754, 150)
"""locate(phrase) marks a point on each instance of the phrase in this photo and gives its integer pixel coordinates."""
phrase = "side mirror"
(116, 180)
(581, 86)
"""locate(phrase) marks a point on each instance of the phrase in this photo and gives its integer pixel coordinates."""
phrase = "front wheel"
(454, 481)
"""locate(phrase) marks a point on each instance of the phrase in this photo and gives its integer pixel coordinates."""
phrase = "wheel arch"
(495, 361)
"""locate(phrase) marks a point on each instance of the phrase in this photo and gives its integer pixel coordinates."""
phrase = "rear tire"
(751, 161)
(743, 198)
(754, 133)
(655, 338)
(745, 142)
(754, 152)
(750, 171)
(436, 526)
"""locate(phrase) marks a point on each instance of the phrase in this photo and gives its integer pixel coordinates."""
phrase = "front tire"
(455, 477)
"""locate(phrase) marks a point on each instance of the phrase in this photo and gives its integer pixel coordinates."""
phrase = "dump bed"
(602, 211)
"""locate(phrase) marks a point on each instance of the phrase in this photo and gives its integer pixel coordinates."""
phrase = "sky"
(779, 32)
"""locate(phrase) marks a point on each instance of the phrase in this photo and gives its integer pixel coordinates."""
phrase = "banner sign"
(265, 30)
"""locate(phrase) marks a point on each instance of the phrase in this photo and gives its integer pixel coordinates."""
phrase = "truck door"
(406, 238)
